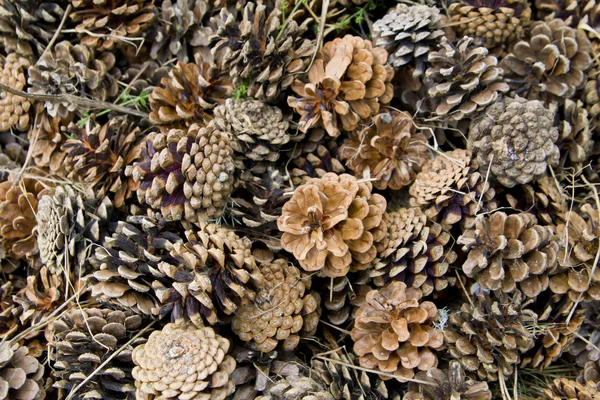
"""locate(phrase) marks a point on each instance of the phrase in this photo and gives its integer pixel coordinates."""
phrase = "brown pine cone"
(490, 335)
(42, 295)
(568, 10)
(590, 95)
(575, 136)
(83, 339)
(551, 64)
(303, 387)
(183, 362)
(14, 110)
(102, 24)
(281, 309)
(333, 224)
(343, 295)
(589, 373)
(515, 140)
(562, 388)
(585, 347)
(185, 173)
(314, 162)
(463, 79)
(349, 80)
(46, 140)
(187, 95)
(21, 375)
(390, 151)
(450, 384)
(394, 333)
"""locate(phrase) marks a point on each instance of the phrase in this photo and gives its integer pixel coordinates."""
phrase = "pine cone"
(590, 95)
(183, 362)
(263, 50)
(316, 163)
(587, 341)
(143, 77)
(517, 137)
(463, 79)
(102, 24)
(568, 10)
(14, 147)
(332, 224)
(452, 190)
(9, 310)
(188, 93)
(14, 110)
(391, 151)
(185, 172)
(394, 333)
(67, 69)
(343, 295)
(42, 295)
(298, 388)
(21, 375)
(450, 384)
(490, 336)
(281, 309)
(409, 33)
(82, 339)
(551, 65)
(541, 197)
(575, 136)
(494, 23)
(562, 388)
(18, 208)
(258, 130)
(589, 373)
(581, 233)
(349, 80)
(46, 140)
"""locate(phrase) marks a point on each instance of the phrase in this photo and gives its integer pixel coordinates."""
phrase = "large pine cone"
(183, 362)
(185, 173)
(349, 80)
(464, 79)
(394, 333)
(517, 138)
(21, 375)
(552, 62)
(390, 151)
(333, 224)
(14, 110)
(563, 388)
(81, 340)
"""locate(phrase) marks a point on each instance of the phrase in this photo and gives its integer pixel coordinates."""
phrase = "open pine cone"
(14, 110)
(46, 140)
(183, 362)
(575, 134)
(21, 375)
(333, 224)
(303, 387)
(562, 388)
(42, 295)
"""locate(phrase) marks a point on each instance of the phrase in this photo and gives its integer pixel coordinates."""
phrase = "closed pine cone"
(348, 81)
(281, 309)
(333, 224)
(394, 333)
(495, 23)
(82, 339)
(515, 140)
(390, 151)
(185, 173)
(450, 384)
(46, 140)
(581, 234)
(183, 362)
(565, 389)
(14, 110)
(409, 33)
(575, 135)
(262, 51)
(552, 62)
(21, 375)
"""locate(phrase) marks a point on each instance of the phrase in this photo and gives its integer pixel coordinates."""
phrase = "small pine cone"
(46, 140)
(450, 384)
(542, 197)
(551, 65)
(18, 208)
(257, 130)
(585, 347)
(348, 81)
(281, 309)
(452, 190)
(298, 388)
(575, 136)
(14, 146)
(67, 222)
(214, 270)
(66, 69)
(490, 336)
(102, 24)
(14, 110)
(562, 388)
(316, 163)
(187, 95)
(464, 79)
(386, 332)
(82, 339)
(390, 151)
(510, 252)
(332, 224)
(494, 23)
(21, 375)
(129, 260)
(9, 310)
(590, 95)
(409, 33)
(262, 51)
(183, 362)
(143, 77)
(185, 172)
(42, 295)
(576, 259)
(517, 138)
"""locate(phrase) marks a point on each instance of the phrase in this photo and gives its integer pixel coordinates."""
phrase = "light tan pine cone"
(14, 110)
